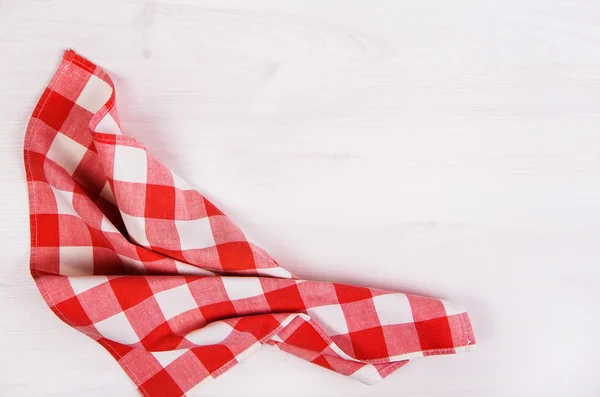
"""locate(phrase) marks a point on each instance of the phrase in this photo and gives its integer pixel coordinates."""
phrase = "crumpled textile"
(125, 251)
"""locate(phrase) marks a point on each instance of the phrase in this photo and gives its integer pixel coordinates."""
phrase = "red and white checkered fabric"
(125, 251)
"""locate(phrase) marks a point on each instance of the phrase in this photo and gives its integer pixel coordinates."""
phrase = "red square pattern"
(53, 109)
(35, 166)
(218, 311)
(322, 361)
(213, 357)
(348, 293)
(130, 290)
(161, 384)
(162, 338)
(285, 300)
(160, 202)
(434, 334)
(236, 256)
(306, 337)
(46, 233)
(369, 344)
(211, 209)
(116, 349)
(106, 261)
(99, 239)
(72, 312)
(259, 326)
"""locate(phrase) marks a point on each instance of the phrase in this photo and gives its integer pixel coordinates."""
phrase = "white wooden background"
(449, 148)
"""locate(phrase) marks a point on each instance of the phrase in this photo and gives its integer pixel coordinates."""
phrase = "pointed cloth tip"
(127, 252)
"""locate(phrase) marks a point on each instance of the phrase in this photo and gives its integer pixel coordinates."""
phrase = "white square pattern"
(393, 309)
(242, 287)
(407, 356)
(278, 272)
(210, 334)
(175, 301)
(107, 226)
(66, 152)
(167, 357)
(118, 329)
(330, 317)
(133, 265)
(136, 227)
(64, 202)
(107, 194)
(180, 183)
(196, 234)
(82, 284)
(76, 261)
(187, 269)
(108, 125)
(130, 164)
(94, 95)
(452, 309)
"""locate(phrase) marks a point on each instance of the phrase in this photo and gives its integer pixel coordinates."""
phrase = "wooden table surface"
(443, 148)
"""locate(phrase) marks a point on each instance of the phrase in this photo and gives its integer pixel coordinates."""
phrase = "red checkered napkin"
(128, 253)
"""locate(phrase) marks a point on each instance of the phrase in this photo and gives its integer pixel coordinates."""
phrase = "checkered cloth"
(125, 251)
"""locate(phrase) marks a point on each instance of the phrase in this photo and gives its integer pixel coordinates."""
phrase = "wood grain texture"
(444, 148)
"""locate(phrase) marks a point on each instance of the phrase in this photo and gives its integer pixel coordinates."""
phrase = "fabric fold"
(127, 252)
